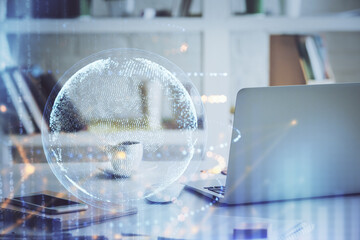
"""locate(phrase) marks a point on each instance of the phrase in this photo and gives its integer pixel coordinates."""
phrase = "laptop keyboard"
(217, 189)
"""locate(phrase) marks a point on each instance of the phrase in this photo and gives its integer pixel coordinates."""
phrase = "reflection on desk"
(191, 214)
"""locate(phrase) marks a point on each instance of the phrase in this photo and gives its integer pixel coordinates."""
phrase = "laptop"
(296, 142)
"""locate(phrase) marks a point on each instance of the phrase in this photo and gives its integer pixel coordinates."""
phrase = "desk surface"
(333, 217)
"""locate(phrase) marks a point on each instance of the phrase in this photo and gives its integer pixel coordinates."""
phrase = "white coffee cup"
(125, 157)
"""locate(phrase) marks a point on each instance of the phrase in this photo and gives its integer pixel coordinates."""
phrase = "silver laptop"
(296, 142)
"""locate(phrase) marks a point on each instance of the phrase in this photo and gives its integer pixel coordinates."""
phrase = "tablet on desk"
(59, 222)
(47, 204)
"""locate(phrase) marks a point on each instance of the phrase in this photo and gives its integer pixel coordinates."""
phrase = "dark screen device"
(47, 204)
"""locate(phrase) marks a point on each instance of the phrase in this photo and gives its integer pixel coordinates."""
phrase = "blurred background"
(222, 46)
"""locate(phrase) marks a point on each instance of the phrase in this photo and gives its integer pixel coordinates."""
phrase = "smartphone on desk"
(48, 204)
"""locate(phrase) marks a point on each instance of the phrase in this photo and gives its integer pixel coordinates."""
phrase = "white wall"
(249, 61)
(344, 55)
(313, 7)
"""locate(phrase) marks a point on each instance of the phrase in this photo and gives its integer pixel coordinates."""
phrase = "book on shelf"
(9, 119)
(314, 58)
(17, 101)
(176, 8)
(321, 47)
(29, 90)
(304, 59)
(316, 61)
(298, 59)
(185, 8)
(28, 98)
(36, 88)
(195, 9)
(40, 85)
(313, 53)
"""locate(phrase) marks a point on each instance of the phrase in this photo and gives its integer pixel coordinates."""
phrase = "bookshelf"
(82, 139)
(217, 29)
(271, 25)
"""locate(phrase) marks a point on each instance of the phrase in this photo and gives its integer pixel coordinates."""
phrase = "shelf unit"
(271, 25)
(173, 137)
(215, 25)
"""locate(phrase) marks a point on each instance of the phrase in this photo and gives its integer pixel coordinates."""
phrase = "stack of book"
(23, 97)
(299, 59)
(19, 102)
(186, 8)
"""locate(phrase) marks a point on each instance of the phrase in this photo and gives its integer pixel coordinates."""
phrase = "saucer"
(111, 172)
(108, 171)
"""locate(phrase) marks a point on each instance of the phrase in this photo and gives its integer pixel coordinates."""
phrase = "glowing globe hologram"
(122, 125)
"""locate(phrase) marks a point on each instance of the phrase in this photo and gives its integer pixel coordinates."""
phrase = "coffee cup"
(125, 157)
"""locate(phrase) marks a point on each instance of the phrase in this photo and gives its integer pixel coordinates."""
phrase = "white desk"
(333, 218)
